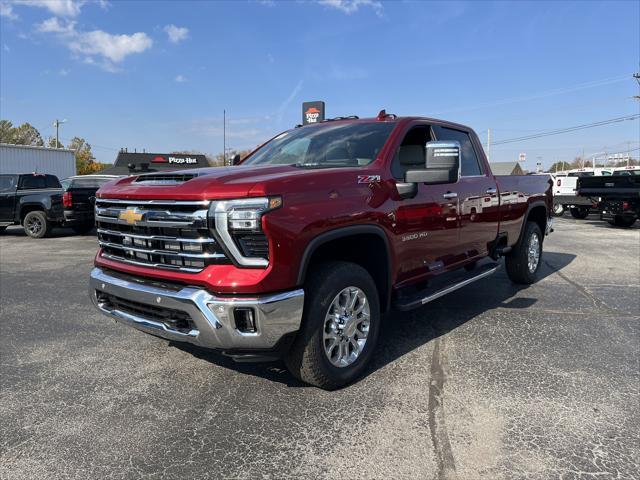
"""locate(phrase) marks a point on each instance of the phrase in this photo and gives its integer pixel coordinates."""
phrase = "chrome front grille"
(159, 233)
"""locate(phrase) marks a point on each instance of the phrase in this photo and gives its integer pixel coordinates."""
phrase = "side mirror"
(235, 160)
(442, 164)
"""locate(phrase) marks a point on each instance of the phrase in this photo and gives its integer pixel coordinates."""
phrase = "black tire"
(517, 261)
(307, 359)
(558, 210)
(83, 228)
(620, 221)
(36, 224)
(579, 213)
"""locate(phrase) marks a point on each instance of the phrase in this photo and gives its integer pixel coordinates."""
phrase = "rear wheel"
(558, 210)
(524, 260)
(579, 212)
(82, 228)
(624, 222)
(36, 224)
(339, 328)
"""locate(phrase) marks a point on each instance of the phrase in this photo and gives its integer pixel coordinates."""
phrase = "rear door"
(478, 201)
(8, 187)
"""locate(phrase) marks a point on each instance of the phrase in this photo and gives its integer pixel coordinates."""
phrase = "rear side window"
(7, 183)
(470, 165)
(52, 182)
(30, 182)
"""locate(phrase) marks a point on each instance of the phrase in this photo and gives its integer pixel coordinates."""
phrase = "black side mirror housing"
(235, 160)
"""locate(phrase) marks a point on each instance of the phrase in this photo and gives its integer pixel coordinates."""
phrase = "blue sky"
(157, 75)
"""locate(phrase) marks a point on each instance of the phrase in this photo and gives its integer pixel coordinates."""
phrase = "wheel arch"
(537, 212)
(360, 244)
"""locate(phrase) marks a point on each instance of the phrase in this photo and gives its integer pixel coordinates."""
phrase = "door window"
(7, 183)
(469, 161)
(30, 182)
(411, 154)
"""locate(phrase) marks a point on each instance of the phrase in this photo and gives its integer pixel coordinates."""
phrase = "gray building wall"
(27, 159)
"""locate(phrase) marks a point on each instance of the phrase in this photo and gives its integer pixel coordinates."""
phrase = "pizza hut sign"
(312, 112)
(175, 160)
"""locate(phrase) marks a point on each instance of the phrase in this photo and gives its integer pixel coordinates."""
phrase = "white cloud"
(352, 6)
(176, 34)
(61, 8)
(63, 72)
(6, 11)
(111, 48)
(55, 25)
(181, 79)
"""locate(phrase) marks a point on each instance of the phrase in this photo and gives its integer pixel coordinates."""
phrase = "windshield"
(340, 145)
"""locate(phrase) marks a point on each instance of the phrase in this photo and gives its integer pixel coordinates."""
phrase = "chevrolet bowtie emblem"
(130, 216)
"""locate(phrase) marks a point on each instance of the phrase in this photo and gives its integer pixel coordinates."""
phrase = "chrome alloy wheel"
(533, 253)
(346, 327)
(34, 225)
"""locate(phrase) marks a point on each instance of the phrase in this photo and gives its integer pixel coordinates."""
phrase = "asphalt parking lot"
(491, 382)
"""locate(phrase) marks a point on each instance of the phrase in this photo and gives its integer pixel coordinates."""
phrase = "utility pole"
(57, 124)
(489, 144)
(637, 77)
(628, 152)
(224, 137)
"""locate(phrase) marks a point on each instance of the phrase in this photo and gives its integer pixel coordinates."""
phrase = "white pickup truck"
(565, 195)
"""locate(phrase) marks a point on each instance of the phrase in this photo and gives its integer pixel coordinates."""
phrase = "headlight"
(238, 226)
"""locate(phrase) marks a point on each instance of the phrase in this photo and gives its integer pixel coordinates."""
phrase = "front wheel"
(579, 213)
(339, 327)
(558, 210)
(524, 260)
(36, 224)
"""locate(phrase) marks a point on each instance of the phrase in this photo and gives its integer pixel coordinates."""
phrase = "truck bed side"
(518, 195)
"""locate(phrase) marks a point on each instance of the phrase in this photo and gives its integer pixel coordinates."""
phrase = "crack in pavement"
(439, 435)
(586, 293)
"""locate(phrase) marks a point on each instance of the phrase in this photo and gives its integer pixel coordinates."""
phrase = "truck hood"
(211, 183)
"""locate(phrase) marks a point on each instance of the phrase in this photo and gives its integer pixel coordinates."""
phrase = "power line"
(568, 129)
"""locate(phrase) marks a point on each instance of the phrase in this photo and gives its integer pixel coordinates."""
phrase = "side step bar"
(459, 280)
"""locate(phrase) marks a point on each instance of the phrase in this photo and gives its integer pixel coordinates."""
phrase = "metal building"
(26, 159)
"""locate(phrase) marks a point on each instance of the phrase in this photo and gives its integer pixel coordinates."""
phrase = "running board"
(459, 280)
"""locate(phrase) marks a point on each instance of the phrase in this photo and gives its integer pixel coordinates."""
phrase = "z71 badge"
(368, 178)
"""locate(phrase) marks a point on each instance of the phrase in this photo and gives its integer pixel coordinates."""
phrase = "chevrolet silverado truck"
(300, 249)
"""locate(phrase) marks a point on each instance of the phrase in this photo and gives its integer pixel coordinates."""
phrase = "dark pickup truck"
(78, 200)
(300, 249)
(617, 195)
(33, 200)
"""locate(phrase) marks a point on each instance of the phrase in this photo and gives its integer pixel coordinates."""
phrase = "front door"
(477, 197)
(426, 226)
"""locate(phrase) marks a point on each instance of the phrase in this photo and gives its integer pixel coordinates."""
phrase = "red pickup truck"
(299, 250)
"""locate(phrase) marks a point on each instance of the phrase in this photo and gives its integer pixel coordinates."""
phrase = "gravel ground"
(491, 382)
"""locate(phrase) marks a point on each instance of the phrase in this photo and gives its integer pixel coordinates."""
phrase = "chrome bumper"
(212, 317)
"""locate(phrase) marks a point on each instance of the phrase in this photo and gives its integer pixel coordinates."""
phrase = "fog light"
(245, 320)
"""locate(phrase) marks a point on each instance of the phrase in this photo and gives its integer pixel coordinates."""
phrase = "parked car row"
(40, 202)
(589, 190)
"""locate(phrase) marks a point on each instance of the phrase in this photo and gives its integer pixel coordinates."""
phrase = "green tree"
(27, 134)
(6, 131)
(51, 143)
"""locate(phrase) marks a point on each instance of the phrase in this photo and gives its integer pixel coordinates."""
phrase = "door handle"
(492, 190)
(450, 195)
